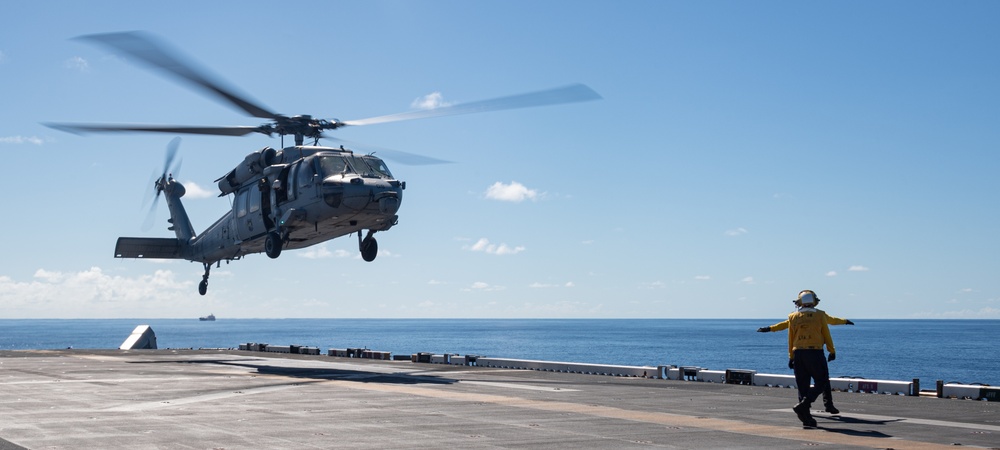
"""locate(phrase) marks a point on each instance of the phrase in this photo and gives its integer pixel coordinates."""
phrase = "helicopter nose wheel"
(368, 246)
(203, 286)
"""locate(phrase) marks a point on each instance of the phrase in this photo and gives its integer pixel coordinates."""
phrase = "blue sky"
(742, 151)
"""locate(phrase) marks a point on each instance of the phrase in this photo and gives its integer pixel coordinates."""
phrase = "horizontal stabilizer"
(157, 248)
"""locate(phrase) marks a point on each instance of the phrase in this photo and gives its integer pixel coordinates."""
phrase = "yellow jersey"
(830, 320)
(808, 329)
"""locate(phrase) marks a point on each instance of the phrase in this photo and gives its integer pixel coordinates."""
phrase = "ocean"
(963, 351)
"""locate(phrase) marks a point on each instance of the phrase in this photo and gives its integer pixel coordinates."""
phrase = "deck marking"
(173, 402)
(791, 432)
(530, 387)
(897, 419)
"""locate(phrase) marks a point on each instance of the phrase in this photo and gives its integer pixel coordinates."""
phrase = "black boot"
(831, 409)
(802, 410)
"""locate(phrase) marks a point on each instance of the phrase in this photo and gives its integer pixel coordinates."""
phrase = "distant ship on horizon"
(208, 318)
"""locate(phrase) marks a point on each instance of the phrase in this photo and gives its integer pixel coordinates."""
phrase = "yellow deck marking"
(791, 432)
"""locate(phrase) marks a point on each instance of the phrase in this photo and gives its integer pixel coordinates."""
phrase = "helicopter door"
(306, 180)
(249, 214)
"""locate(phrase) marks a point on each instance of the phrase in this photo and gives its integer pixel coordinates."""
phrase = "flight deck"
(227, 399)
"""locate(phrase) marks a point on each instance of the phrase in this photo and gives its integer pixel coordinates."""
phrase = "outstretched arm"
(830, 320)
(776, 327)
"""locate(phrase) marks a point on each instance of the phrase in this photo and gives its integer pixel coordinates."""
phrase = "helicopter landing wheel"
(369, 249)
(272, 245)
(203, 286)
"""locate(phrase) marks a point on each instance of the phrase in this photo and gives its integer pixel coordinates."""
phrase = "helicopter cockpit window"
(332, 165)
(369, 166)
(379, 166)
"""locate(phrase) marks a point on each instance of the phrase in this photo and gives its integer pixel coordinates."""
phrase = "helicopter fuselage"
(289, 199)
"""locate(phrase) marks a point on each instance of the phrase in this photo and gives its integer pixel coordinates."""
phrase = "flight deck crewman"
(830, 320)
(808, 333)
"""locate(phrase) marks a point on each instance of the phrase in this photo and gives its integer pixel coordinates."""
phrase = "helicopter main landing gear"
(272, 244)
(368, 246)
(203, 286)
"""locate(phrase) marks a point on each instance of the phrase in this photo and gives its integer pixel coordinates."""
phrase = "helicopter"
(284, 199)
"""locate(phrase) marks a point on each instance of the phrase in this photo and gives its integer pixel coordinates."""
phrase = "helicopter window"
(253, 200)
(332, 165)
(241, 204)
(369, 166)
(289, 176)
(378, 166)
(305, 174)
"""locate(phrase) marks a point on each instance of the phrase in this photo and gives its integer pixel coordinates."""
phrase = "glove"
(832, 357)
(791, 364)
(763, 329)
(848, 322)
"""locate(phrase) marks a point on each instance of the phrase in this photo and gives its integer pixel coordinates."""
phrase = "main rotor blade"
(567, 94)
(409, 159)
(81, 128)
(157, 55)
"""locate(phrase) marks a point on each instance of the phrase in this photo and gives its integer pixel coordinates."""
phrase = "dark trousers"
(811, 365)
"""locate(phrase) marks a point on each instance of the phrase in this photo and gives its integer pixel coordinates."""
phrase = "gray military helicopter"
(282, 199)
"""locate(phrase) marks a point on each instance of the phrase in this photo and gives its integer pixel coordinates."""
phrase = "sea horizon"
(889, 349)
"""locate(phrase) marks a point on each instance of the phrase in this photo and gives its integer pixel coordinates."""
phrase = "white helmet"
(807, 298)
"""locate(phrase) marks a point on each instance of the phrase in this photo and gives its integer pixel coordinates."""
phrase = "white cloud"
(77, 63)
(736, 232)
(480, 286)
(653, 285)
(831, 273)
(857, 269)
(192, 190)
(747, 280)
(22, 140)
(982, 313)
(433, 100)
(513, 192)
(92, 293)
(484, 245)
(321, 252)
(51, 277)
(316, 252)
(537, 285)
(702, 277)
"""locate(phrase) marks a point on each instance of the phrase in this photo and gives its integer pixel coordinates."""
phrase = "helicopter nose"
(388, 204)
(387, 194)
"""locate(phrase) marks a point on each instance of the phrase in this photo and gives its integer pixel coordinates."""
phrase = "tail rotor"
(160, 183)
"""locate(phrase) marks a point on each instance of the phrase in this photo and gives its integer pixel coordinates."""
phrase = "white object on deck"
(142, 338)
